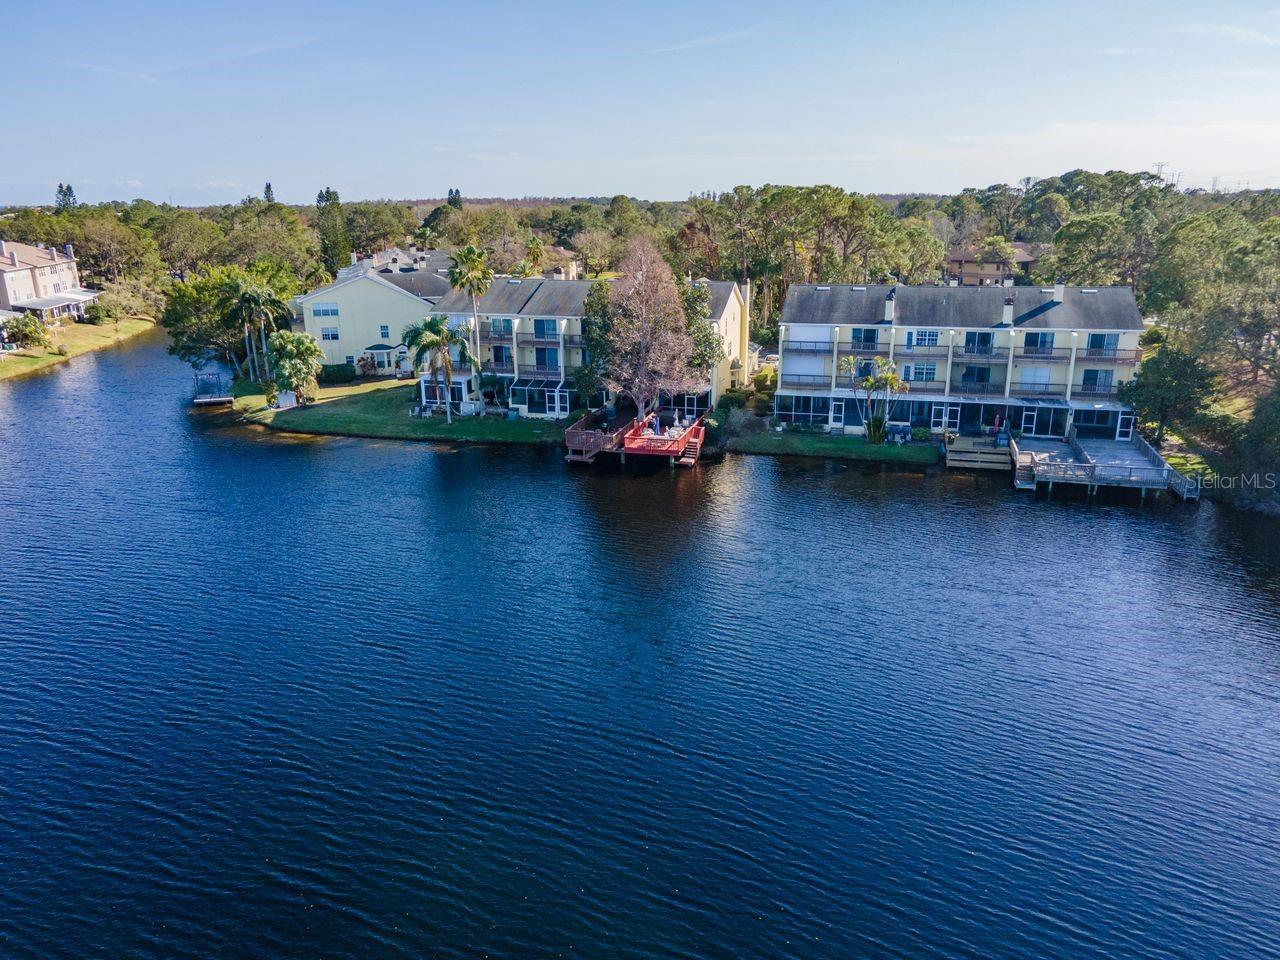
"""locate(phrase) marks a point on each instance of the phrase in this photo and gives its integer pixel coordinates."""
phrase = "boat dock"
(1094, 464)
(211, 390)
(649, 436)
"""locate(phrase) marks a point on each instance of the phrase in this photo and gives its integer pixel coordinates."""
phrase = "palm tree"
(255, 308)
(433, 343)
(471, 272)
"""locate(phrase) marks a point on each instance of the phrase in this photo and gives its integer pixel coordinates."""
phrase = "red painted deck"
(586, 440)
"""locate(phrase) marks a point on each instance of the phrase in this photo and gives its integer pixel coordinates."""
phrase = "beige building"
(363, 315)
(530, 335)
(965, 266)
(1038, 359)
(42, 280)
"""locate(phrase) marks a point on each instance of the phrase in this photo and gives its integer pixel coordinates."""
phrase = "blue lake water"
(268, 697)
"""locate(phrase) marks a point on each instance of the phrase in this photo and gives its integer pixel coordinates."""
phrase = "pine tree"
(64, 198)
(455, 198)
(268, 194)
(331, 225)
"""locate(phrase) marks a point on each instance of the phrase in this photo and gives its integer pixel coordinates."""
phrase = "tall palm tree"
(433, 343)
(471, 272)
(256, 308)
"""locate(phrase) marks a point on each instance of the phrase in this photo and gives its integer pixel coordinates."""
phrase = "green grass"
(795, 444)
(77, 338)
(379, 409)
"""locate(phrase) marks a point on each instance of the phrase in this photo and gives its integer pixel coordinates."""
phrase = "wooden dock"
(1095, 464)
(592, 436)
(978, 453)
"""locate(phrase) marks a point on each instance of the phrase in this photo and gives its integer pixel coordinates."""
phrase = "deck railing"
(1096, 391)
(917, 352)
(807, 346)
(489, 334)
(982, 354)
(863, 348)
(806, 381)
(587, 438)
(1037, 389)
(635, 441)
(1042, 354)
(538, 339)
(493, 366)
(1109, 355)
(978, 388)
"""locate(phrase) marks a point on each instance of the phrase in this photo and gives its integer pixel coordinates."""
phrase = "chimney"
(888, 305)
(13, 257)
(4, 249)
(1006, 318)
(70, 251)
(53, 252)
(355, 258)
(953, 282)
(1008, 281)
(1059, 290)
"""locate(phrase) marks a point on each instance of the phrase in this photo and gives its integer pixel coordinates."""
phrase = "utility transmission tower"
(1160, 165)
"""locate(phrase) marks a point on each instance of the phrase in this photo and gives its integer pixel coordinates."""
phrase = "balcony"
(978, 387)
(1109, 355)
(538, 339)
(498, 369)
(805, 381)
(537, 371)
(573, 340)
(982, 355)
(862, 348)
(1038, 390)
(1042, 354)
(1095, 391)
(490, 334)
(807, 346)
(930, 352)
(926, 386)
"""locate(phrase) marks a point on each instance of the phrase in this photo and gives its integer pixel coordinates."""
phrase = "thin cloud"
(714, 39)
(101, 68)
(1227, 31)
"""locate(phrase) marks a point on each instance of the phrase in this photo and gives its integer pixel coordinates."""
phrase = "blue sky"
(166, 101)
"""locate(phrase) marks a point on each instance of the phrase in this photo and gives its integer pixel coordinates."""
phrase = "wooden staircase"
(689, 456)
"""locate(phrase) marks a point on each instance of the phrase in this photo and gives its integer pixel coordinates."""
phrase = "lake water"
(267, 697)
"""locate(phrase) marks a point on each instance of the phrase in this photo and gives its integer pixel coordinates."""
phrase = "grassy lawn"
(76, 338)
(380, 409)
(789, 443)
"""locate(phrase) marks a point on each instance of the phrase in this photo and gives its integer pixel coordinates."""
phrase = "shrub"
(270, 392)
(1221, 429)
(766, 379)
(742, 421)
(367, 366)
(762, 404)
(331, 373)
(733, 399)
(714, 434)
(919, 434)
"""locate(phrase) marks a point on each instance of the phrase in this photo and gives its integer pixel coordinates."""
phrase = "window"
(803, 409)
(324, 309)
(977, 343)
(328, 333)
(545, 329)
(922, 338)
(502, 356)
(1097, 381)
(384, 331)
(1038, 344)
(865, 339)
(546, 357)
(501, 325)
(351, 360)
(976, 375)
(920, 372)
(1103, 344)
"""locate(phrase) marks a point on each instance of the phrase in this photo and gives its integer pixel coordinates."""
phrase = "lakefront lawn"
(379, 409)
(71, 340)
(836, 446)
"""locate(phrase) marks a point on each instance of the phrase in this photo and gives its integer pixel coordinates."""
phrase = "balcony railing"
(1038, 390)
(493, 366)
(573, 340)
(978, 388)
(862, 348)
(1096, 391)
(1042, 354)
(490, 334)
(806, 381)
(917, 352)
(537, 371)
(538, 339)
(982, 355)
(807, 346)
(1108, 355)
(926, 386)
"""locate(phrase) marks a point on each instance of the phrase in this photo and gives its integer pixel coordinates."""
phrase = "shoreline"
(79, 339)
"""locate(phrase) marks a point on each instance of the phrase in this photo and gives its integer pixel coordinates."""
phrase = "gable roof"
(530, 296)
(1023, 252)
(357, 278)
(1082, 308)
(30, 256)
(721, 291)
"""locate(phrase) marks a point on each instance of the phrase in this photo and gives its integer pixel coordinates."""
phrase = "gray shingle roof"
(1101, 308)
(535, 296)
(421, 283)
(720, 291)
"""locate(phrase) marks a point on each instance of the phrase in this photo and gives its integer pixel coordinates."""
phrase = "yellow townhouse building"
(1039, 359)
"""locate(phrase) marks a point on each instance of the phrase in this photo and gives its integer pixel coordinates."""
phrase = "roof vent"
(822, 289)
(858, 288)
(512, 280)
(1046, 289)
(1088, 291)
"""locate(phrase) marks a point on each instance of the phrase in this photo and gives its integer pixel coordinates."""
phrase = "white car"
(770, 358)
